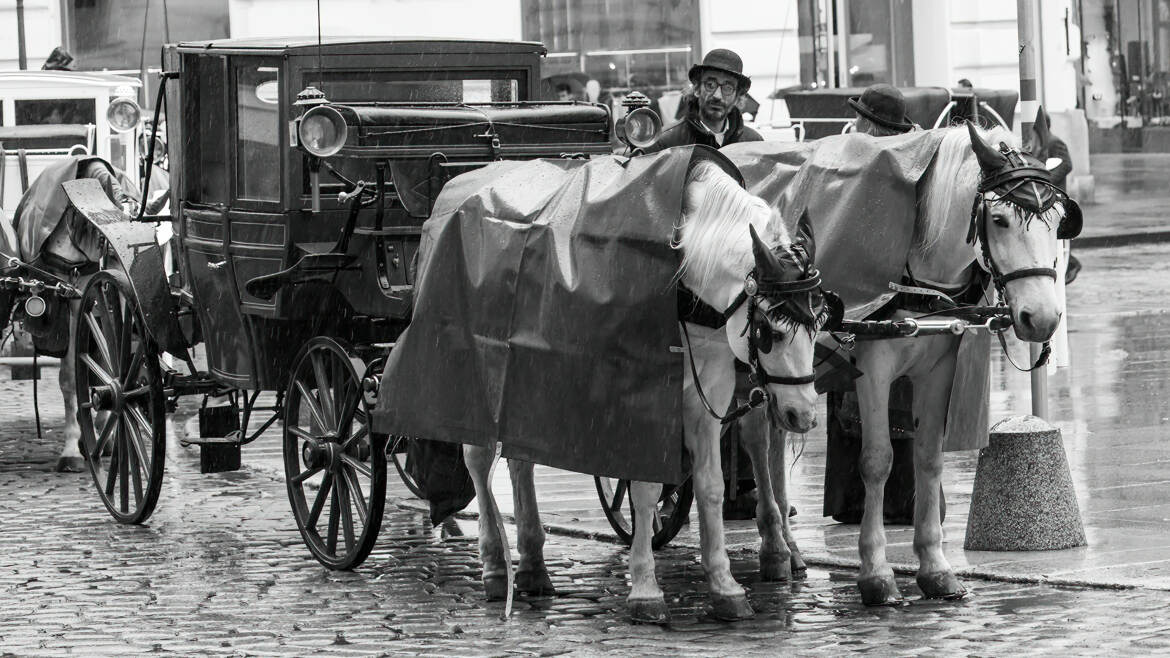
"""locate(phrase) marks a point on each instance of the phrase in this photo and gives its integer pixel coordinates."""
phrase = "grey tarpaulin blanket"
(861, 194)
(545, 316)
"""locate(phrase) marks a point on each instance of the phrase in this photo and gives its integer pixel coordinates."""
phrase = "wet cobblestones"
(221, 571)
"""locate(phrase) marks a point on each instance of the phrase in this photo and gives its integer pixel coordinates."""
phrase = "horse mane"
(716, 215)
(951, 182)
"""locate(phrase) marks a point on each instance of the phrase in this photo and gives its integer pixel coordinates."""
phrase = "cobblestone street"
(220, 570)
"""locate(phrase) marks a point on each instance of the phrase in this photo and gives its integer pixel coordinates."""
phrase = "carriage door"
(205, 227)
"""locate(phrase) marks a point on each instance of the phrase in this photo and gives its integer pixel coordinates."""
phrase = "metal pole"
(1026, 27)
(22, 56)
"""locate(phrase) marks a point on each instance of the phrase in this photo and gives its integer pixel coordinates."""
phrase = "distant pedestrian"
(1047, 147)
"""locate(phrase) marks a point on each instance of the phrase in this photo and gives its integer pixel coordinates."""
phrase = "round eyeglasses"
(711, 84)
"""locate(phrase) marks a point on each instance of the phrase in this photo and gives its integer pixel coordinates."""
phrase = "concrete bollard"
(1023, 498)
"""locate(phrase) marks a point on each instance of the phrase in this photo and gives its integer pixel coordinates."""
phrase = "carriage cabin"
(45, 115)
(270, 248)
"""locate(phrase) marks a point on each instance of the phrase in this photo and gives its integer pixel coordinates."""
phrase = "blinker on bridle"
(1021, 181)
(759, 330)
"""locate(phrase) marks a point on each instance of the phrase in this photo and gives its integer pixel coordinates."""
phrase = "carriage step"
(235, 439)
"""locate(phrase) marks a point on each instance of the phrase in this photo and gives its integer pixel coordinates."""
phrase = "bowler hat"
(883, 105)
(724, 61)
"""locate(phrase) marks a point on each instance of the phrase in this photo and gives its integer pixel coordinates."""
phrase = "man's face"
(718, 93)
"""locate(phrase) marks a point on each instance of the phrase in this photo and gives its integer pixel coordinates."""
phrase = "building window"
(619, 45)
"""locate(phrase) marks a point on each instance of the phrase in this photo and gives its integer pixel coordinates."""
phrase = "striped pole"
(1029, 104)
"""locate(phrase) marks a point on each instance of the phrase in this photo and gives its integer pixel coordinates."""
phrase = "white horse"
(720, 244)
(1023, 250)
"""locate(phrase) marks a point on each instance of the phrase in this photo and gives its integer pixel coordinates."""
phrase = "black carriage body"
(421, 110)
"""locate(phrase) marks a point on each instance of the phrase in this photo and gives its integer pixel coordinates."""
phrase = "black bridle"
(759, 335)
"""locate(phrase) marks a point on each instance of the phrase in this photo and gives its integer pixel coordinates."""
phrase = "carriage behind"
(302, 173)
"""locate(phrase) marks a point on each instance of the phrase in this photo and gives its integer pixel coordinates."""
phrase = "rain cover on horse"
(861, 194)
(44, 204)
(545, 316)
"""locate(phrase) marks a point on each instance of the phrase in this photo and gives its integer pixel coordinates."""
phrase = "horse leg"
(775, 556)
(645, 603)
(728, 599)
(532, 576)
(779, 475)
(493, 544)
(876, 580)
(931, 394)
(70, 460)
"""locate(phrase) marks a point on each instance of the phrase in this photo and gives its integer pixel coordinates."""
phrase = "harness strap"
(1025, 273)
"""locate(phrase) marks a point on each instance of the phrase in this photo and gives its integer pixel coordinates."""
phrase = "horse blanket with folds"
(545, 316)
(861, 194)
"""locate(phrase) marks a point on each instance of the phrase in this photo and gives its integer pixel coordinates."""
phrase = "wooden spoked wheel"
(334, 466)
(120, 408)
(670, 515)
(397, 449)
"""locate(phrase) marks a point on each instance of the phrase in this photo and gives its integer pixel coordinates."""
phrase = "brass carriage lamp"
(641, 125)
(320, 131)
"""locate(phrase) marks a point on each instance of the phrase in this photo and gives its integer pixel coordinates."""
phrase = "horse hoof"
(495, 588)
(648, 611)
(775, 567)
(942, 585)
(879, 590)
(535, 583)
(70, 465)
(799, 568)
(731, 608)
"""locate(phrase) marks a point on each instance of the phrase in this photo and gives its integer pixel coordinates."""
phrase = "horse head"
(739, 259)
(776, 332)
(1017, 219)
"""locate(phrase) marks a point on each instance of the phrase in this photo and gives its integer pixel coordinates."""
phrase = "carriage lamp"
(123, 114)
(322, 131)
(641, 125)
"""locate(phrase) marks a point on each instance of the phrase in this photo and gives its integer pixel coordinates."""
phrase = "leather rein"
(751, 294)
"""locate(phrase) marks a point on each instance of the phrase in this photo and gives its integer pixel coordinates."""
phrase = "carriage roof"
(359, 46)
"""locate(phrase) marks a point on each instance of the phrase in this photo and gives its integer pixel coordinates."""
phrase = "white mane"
(714, 229)
(950, 186)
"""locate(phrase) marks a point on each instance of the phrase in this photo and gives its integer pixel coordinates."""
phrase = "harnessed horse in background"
(51, 237)
(769, 289)
(1011, 233)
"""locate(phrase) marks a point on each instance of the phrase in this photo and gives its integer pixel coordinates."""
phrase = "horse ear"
(989, 159)
(1040, 127)
(766, 261)
(804, 236)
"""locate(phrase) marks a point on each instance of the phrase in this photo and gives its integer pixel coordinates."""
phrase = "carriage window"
(258, 132)
(206, 156)
(421, 86)
(56, 111)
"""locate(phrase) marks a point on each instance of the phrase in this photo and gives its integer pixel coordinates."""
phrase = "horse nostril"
(791, 418)
(1026, 319)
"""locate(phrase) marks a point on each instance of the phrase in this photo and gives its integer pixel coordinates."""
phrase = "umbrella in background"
(575, 80)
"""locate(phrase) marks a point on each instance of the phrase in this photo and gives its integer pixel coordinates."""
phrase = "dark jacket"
(691, 131)
(1056, 148)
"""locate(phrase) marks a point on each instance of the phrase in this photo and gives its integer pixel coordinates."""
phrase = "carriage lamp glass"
(642, 127)
(322, 131)
(123, 114)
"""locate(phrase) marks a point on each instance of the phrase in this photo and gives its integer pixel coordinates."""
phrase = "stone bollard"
(1023, 498)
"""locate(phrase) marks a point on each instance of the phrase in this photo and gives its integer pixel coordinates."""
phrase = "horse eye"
(1001, 221)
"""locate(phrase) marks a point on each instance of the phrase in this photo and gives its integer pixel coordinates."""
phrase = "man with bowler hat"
(712, 116)
(881, 112)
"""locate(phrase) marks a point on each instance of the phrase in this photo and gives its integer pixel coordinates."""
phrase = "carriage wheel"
(334, 466)
(670, 515)
(397, 451)
(120, 398)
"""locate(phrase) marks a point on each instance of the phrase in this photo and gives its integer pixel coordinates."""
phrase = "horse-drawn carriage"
(297, 220)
